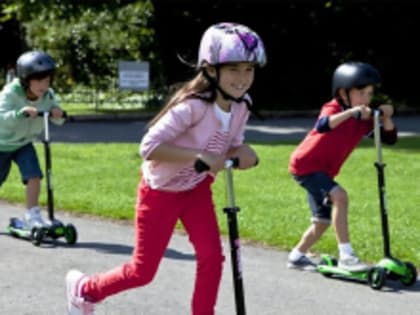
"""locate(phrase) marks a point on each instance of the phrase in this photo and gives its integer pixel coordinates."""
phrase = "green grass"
(91, 109)
(101, 180)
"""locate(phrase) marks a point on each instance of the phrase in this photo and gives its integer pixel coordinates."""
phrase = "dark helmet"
(354, 74)
(34, 64)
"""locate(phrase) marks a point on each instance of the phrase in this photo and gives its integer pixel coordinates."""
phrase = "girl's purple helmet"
(231, 42)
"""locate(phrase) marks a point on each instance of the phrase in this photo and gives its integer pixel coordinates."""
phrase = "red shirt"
(326, 152)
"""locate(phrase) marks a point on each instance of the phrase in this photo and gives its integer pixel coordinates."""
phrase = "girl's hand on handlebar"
(247, 156)
(215, 162)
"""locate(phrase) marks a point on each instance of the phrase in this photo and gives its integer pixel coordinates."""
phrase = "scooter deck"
(19, 228)
(335, 271)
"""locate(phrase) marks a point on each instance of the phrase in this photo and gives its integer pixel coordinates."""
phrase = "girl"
(20, 101)
(204, 120)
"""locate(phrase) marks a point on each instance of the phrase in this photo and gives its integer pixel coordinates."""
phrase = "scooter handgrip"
(41, 113)
(235, 162)
(201, 166)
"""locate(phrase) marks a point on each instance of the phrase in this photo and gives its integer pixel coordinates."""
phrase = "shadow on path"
(120, 249)
(390, 286)
(106, 248)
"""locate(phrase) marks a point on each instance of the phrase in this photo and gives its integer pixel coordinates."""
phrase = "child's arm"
(171, 153)
(329, 122)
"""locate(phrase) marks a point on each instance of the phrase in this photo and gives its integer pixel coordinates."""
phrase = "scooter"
(234, 242)
(54, 229)
(388, 267)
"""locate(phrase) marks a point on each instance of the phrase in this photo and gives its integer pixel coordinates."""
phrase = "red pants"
(156, 215)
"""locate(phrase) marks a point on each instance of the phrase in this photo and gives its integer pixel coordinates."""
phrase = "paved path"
(32, 278)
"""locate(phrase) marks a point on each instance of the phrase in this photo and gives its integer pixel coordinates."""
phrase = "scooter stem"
(381, 184)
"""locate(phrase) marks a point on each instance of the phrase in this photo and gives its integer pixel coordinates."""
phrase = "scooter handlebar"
(201, 166)
(41, 113)
(372, 113)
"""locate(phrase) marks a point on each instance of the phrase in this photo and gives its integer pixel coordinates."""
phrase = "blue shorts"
(25, 158)
(318, 185)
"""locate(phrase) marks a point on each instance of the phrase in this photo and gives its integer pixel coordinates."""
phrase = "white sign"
(133, 75)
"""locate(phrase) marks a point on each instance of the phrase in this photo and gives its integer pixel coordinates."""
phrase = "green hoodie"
(16, 130)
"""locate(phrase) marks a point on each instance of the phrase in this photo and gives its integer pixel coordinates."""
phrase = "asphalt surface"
(32, 278)
(268, 130)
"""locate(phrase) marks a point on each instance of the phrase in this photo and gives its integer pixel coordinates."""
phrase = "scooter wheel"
(70, 234)
(410, 276)
(328, 262)
(37, 234)
(376, 277)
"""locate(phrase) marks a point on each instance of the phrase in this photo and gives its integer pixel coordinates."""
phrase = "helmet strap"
(343, 103)
(214, 84)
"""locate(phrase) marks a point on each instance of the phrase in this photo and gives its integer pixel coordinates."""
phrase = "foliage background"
(305, 40)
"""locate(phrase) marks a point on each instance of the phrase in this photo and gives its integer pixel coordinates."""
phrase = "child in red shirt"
(317, 160)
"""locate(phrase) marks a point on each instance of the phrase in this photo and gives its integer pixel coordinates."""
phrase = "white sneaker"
(352, 263)
(33, 217)
(76, 304)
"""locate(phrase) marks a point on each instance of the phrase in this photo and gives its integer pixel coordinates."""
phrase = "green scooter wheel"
(376, 277)
(70, 234)
(37, 234)
(410, 276)
(326, 261)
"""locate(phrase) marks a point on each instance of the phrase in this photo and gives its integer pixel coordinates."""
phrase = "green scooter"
(54, 228)
(388, 267)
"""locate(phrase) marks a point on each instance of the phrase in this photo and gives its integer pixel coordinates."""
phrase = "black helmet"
(354, 74)
(34, 63)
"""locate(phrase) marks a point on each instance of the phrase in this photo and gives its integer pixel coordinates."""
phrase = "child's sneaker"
(33, 217)
(352, 263)
(303, 263)
(76, 304)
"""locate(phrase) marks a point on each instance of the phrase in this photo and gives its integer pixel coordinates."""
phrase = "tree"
(87, 38)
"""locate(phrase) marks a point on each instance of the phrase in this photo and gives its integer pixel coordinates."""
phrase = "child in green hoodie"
(20, 102)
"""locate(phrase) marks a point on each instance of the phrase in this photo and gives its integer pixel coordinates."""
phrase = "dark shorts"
(318, 185)
(25, 158)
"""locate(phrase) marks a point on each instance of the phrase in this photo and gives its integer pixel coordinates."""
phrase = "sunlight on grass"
(101, 179)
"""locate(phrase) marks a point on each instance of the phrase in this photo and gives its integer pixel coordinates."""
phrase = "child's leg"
(339, 199)
(156, 215)
(200, 222)
(318, 187)
(311, 236)
(5, 165)
(30, 170)
(33, 188)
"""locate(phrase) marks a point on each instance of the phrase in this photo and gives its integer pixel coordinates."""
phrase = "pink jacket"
(189, 124)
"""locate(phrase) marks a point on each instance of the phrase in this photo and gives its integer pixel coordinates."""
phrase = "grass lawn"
(101, 179)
